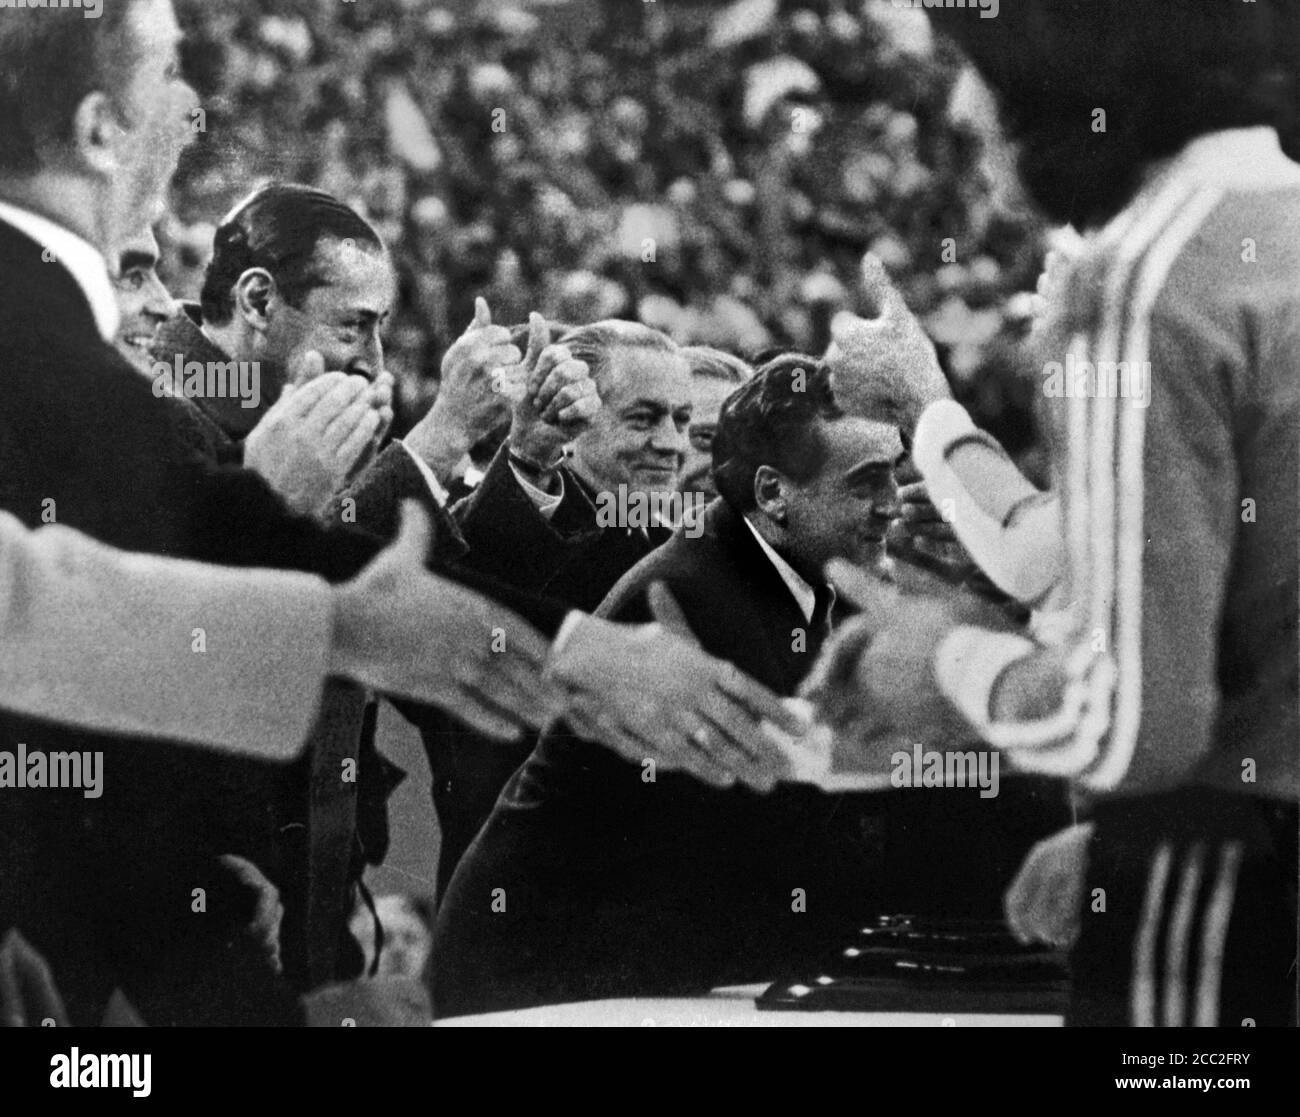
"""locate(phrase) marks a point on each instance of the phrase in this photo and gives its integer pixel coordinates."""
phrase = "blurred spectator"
(407, 921)
(707, 167)
(714, 376)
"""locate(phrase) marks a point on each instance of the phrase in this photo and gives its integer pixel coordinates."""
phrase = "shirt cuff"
(435, 486)
(968, 663)
(545, 503)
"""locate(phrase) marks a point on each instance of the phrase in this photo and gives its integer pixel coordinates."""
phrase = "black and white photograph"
(649, 513)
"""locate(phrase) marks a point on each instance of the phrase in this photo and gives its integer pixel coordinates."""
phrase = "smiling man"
(627, 881)
(143, 303)
(638, 438)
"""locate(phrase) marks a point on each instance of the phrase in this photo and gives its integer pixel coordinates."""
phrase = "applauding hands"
(468, 407)
(554, 398)
(319, 434)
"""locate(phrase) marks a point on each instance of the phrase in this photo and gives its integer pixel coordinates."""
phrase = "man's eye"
(702, 438)
(132, 281)
(641, 420)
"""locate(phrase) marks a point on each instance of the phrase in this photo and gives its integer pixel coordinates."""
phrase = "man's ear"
(96, 128)
(253, 293)
(770, 493)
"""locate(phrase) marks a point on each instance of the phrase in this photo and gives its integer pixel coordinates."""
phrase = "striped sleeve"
(1147, 486)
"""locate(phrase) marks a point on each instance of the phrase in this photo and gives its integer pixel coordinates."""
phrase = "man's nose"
(369, 362)
(160, 305)
(666, 438)
(888, 505)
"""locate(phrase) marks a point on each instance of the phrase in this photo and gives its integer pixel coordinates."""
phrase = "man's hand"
(874, 683)
(468, 407)
(261, 933)
(406, 632)
(922, 528)
(558, 400)
(314, 436)
(651, 693)
(1045, 900)
(884, 366)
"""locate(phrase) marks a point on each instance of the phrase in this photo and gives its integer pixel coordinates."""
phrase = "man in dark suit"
(532, 521)
(596, 877)
(299, 283)
(622, 880)
(534, 516)
(124, 889)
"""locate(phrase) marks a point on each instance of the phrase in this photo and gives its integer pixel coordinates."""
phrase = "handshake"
(647, 691)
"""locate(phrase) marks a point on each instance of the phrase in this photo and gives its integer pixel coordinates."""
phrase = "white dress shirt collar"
(804, 595)
(82, 260)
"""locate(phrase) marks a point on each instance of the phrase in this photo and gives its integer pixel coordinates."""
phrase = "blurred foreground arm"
(155, 647)
(141, 645)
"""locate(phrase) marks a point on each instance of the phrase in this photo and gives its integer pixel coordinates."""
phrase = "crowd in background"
(714, 170)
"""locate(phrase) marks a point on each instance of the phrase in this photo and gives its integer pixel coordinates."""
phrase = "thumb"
(879, 601)
(880, 297)
(415, 537)
(482, 314)
(665, 610)
(539, 336)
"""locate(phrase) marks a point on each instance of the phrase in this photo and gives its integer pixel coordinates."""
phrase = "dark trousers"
(1189, 913)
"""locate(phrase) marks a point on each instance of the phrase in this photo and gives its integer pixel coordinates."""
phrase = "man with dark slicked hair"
(93, 115)
(626, 881)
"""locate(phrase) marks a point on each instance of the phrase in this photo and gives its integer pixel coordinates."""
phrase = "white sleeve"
(157, 647)
(1010, 529)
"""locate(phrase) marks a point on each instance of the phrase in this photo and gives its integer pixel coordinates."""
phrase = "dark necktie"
(823, 607)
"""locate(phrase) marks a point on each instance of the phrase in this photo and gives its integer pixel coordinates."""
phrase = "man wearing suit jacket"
(596, 877)
(621, 880)
(93, 115)
(532, 522)
(84, 442)
(299, 283)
